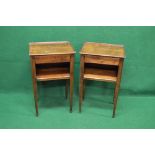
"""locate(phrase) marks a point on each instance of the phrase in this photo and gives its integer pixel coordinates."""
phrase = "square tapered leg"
(81, 84)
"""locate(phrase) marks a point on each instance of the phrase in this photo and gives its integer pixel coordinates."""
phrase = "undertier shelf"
(56, 73)
(100, 74)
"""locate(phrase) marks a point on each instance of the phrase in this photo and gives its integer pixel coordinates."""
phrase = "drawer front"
(52, 59)
(101, 60)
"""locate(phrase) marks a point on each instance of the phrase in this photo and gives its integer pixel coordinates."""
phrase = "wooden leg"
(34, 84)
(66, 89)
(117, 86)
(83, 89)
(71, 94)
(81, 82)
(35, 95)
(115, 97)
(71, 80)
(80, 94)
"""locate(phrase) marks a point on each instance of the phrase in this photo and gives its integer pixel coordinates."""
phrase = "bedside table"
(101, 62)
(52, 61)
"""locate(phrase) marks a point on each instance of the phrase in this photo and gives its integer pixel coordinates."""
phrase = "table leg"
(84, 82)
(35, 96)
(71, 80)
(34, 85)
(117, 86)
(81, 82)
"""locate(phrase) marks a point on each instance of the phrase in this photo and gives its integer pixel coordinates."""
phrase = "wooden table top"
(103, 49)
(48, 48)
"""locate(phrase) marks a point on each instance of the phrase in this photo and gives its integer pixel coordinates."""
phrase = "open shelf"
(45, 72)
(100, 73)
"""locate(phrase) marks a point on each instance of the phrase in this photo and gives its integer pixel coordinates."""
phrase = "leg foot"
(37, 114)
(113, 116)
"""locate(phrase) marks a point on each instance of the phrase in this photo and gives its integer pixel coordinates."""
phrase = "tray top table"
(52, 61)
(101, 62)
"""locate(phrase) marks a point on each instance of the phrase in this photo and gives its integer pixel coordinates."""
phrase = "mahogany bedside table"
(101, 62)
(52, 61)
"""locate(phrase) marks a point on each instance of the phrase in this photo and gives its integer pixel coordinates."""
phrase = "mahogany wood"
(101, 62)
(54, 59)
(100, 75)
(71, 80)
(48, 61)
(81, 88)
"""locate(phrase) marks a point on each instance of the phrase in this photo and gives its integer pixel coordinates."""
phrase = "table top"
(103, 49)
(48, 48)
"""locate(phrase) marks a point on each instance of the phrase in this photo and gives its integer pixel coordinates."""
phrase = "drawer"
(101, 60)
(51, 59)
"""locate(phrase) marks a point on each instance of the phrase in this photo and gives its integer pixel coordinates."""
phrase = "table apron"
(52, 59)
(101, 60)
